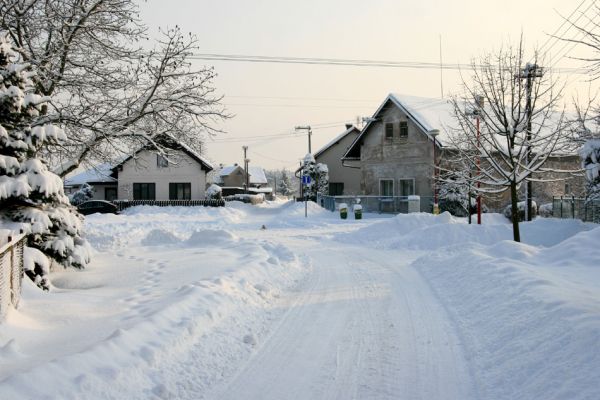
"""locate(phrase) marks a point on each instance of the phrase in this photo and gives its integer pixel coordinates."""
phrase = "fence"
(11, 273)
(576, 208)
(123, 204)
(375, 204)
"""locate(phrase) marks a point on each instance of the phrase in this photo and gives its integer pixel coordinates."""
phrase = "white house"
(145, 175)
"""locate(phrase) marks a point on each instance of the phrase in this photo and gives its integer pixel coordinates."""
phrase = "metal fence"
(375, 204)
(576, 208)
(11, 273)
(123, 204)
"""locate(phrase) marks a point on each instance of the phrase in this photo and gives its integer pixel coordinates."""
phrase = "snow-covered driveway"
(200, 303)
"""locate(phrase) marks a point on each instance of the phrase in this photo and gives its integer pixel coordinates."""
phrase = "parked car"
(97, 206)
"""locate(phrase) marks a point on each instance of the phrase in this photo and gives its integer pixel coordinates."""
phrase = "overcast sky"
(270, 99)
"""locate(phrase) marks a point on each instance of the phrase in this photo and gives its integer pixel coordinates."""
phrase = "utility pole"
(246, 161)
(306, 128)
(529, 73)
(477, 112)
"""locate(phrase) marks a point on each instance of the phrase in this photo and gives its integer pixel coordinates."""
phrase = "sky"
(268, 100)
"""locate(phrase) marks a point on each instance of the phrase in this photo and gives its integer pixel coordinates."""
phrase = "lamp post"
(436, 208)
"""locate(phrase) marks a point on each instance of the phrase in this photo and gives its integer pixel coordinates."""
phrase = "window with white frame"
(386, 187)
(407, 187)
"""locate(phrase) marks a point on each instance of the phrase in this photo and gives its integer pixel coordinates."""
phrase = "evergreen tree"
(29, 193)
(285, 185)
(83, 194)
(319, 178)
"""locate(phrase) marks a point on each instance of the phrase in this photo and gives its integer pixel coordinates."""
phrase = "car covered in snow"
(97, 206)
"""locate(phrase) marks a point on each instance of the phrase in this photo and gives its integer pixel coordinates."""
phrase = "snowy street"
(191, 303)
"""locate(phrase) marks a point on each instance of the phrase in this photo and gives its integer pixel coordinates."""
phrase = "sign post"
(305, 183)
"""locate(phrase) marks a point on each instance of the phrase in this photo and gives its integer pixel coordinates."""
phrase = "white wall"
(143, 169)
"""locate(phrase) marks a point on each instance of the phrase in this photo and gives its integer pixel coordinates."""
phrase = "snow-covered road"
(365, 326)
(201, 303)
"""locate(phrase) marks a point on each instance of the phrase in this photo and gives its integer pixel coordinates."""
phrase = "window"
(407, 187)
(180, 191)
(144, 191)
(404, 129)
(389, 130)
(386, 187)
(336, 188)
(110, 193)
(161, 162)
(567, 188)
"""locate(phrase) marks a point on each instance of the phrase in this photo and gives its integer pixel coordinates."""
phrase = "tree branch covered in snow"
(506, 153)
(110, 93)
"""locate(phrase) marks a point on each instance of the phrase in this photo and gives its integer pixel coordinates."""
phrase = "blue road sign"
(305, 179)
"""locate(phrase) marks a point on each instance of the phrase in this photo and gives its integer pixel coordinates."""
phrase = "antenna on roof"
(441, 70)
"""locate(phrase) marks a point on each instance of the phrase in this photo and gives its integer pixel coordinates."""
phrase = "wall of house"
(408, 157)
(236, 178)
(100, 190)
(145, 170)
(350, 177)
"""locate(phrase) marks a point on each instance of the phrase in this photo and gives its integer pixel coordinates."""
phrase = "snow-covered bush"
(29, 193)
(85, 193)
(590, 162)
(521, 208)
(545, 210)
(214, 192)
(285, 186)
(319, 178)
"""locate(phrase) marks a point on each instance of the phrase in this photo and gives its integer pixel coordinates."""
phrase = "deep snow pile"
(528, 313)
(163, 281)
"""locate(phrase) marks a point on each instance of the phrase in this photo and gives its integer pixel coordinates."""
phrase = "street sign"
(305, 179)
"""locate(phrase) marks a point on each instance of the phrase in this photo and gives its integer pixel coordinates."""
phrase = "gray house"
(395, 149)
(342, 180)
(395, 153)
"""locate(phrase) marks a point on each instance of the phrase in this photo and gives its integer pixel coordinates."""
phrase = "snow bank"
(422, 231)
(530, 326)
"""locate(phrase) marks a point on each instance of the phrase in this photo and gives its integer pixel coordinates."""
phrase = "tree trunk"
(515, 211)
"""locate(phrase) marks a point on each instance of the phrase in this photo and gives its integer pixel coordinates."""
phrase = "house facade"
(150, 176)
(395, 153)
(342, 180)
(179, 174)
(233, 178)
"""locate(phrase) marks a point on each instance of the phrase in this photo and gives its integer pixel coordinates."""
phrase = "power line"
(553, 35)
(345, 62)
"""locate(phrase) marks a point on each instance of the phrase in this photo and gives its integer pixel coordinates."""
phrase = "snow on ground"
(192, 303)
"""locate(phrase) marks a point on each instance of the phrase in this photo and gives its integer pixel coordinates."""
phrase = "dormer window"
(161, 161)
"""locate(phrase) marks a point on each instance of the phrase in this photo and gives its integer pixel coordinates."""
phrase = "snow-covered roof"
(257, 174)
(336, 140)
(98, 174)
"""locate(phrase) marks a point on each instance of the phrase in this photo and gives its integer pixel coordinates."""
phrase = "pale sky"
(270, 99)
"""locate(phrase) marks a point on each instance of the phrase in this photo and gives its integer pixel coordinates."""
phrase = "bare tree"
(109, 92)
(516, 137)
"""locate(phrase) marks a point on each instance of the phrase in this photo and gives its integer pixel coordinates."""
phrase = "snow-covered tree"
(456, 194)
(590, 162)
(509, 151)
(285, 187)
(319, 178)
(29, 193)
(111, 93)
(84, 193)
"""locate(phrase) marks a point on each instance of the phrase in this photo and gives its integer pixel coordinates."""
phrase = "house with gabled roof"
(342, 180)
(394, 150)
(177, 173)
(232, 178)
(395, 153)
